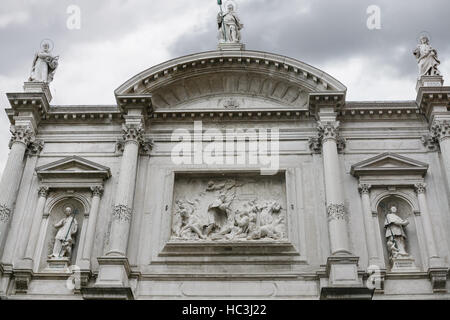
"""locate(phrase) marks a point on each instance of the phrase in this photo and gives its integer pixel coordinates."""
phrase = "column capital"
(43, 191)
(420, 188)
(135, 134)
(327, 130)
(440, 130)
(364, 188)
(21, 134)
(97, 191)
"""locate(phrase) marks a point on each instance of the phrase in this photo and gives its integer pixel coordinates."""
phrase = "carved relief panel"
(231, 207)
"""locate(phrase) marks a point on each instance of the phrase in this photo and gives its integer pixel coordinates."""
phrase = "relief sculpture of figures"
(395, 234)
(427, 58)
(229, 24)
(218, 214)
(44, 64)
(64, 239)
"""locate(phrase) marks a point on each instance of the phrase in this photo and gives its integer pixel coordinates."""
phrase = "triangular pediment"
(73, 166)
(389, 163)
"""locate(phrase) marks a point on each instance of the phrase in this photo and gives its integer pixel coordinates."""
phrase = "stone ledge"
(99, 293)
(346, 293)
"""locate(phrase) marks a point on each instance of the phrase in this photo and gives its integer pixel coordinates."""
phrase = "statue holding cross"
(229, 23)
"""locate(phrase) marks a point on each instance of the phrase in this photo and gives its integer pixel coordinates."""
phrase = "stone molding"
(336, 212)
(122, 213)
(5, 213)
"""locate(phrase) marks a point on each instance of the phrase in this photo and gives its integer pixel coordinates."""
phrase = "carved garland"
(122, 213)
(336, 212)
(5, 213)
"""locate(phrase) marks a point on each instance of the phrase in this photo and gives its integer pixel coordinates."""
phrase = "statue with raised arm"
(229, 25)
(67, 228)
(44, 64)
(427, 58)
(395, 233)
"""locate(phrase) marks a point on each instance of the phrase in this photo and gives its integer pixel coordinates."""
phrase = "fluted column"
(36, 223)
(339, 242)
(12, 174)
(440, 131)
(97, 192)
(433, 255)
(123, 207)
(364, 190)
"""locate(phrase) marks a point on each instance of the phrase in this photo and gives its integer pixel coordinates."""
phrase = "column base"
(112, 281)
(344, 281)
(23, 273)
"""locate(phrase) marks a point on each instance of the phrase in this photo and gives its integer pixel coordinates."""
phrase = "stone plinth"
(429, 81)
(33, 86)
(225, 46)
(61, 264)
(402, 264)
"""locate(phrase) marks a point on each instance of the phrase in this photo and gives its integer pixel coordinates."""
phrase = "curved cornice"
(259, 74)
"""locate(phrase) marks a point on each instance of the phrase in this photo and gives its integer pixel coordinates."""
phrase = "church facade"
(227, 174)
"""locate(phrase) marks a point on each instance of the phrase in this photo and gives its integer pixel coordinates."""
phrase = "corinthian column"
(123, 208)
(12, 174)
(114, 266)
(440, 131)
(339, 243)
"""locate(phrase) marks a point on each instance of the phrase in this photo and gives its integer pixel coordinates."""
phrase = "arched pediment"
(225, 78)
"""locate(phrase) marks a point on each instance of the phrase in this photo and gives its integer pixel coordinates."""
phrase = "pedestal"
(231, 46)
(34, 86)
(58, 264)
(404, 264)
(429, 81)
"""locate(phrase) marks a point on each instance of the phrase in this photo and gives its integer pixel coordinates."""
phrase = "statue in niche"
(395, 234)
(44, 64)
(229, 25)
(427, 58)
(67, 228)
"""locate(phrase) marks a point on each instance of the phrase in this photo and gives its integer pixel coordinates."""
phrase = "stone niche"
(412, 262)
(229, 208)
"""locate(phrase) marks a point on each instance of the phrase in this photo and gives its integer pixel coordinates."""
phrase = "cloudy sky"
(119, 38)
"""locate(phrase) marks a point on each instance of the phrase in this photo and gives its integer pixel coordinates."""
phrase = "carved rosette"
(21, 134)
(122, 213)
(420, 187)
(364, 188)
(327, 131)
(5, 213)
(43, 191)
(336, 212)
(97, 191)
(134, 134)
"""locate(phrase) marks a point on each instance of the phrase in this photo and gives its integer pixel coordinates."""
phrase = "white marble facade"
(151, 228)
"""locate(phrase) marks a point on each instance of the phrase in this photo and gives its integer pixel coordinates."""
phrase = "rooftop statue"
(427, 58)
(44, 64)
(229, 24)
